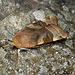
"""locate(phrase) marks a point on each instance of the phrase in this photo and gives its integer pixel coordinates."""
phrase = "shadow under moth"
(40, 32)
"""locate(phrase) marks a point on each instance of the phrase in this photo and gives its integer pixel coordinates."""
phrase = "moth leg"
(26, 49)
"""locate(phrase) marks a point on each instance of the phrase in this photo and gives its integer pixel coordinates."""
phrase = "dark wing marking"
(40, 36)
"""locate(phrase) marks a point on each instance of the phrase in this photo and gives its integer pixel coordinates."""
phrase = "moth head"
(59, 37)
(59, 33)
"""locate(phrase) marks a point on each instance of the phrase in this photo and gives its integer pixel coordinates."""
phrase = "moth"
(40, 32)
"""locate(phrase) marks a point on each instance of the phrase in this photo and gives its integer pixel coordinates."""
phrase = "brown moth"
(40, 32)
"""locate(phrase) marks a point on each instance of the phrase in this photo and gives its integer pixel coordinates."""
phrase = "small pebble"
(39, 14)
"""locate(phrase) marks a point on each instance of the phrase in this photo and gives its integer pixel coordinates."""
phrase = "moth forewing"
(50, 20)
(40, 32)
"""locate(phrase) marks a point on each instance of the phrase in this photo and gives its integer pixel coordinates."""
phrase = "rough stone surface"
(56, 58)
(39, 14)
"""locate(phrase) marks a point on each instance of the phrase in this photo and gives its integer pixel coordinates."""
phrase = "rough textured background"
(57, 58)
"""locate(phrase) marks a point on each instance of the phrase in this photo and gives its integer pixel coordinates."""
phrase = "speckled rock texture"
(56, 58)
